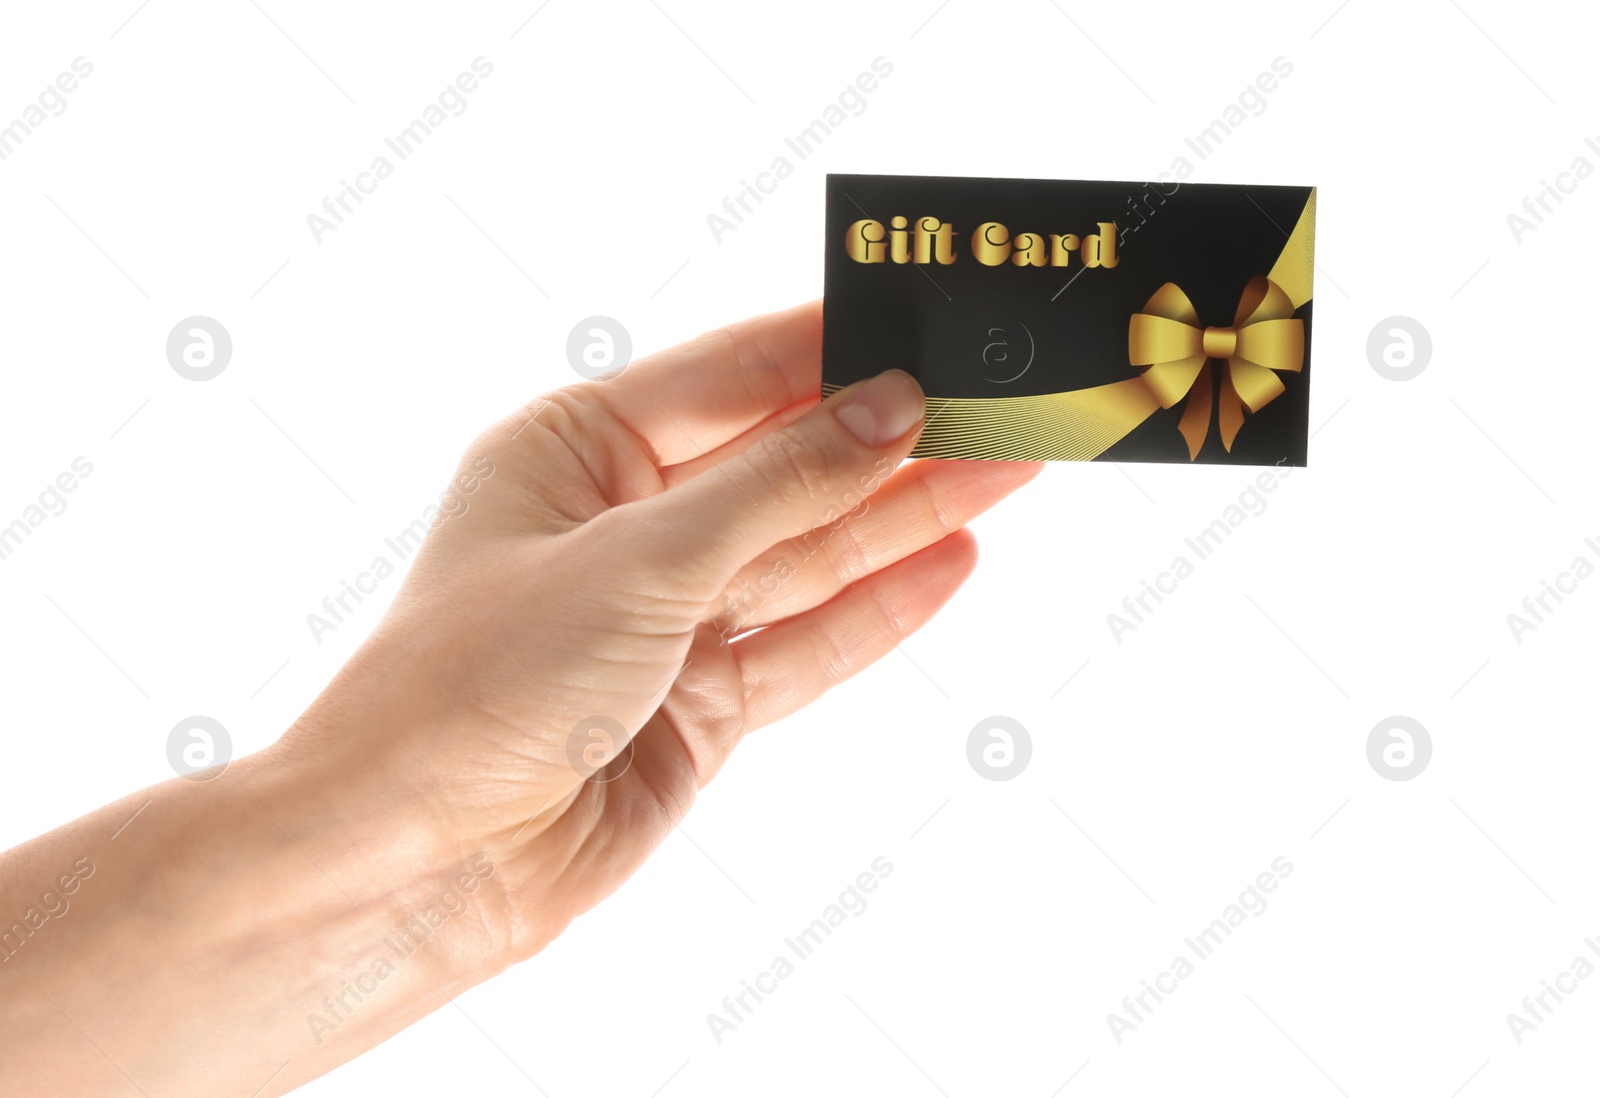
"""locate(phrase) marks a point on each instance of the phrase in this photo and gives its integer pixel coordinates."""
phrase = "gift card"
(1077, 320)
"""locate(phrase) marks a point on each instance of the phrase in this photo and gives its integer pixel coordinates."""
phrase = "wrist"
(426, 889)
(388, 766)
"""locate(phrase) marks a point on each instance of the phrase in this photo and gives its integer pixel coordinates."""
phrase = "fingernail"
(882, 409)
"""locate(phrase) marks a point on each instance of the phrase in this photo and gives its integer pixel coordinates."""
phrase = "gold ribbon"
(1175, 348)
(1169, 339)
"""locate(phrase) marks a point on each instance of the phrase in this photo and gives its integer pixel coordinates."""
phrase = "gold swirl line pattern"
(1073, 426)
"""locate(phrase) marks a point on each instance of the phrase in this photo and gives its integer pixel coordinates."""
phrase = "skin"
(608, 552)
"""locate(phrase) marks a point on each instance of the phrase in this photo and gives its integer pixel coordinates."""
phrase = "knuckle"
(763, 377)
(831, 655)
(794, 468)
(847, 550)
(890, 619)
(936, 508)
(542, 420)
(582, 405)
(563, 412)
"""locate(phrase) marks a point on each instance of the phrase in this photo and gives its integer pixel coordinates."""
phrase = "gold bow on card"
(1169, 339)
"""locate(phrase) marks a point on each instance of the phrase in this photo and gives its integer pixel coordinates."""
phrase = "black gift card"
(1074, 320)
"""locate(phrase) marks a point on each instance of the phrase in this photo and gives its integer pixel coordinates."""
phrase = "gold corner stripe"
(1297, 262)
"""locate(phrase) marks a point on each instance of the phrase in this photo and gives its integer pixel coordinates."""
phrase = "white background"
(1189, 756)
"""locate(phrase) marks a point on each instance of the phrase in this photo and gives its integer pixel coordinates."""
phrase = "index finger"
(686, 401)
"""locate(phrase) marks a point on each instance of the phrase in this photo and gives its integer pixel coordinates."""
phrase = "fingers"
(688, 400)
(919, 505)
(789, 665)
(786, 482)
(677, 474)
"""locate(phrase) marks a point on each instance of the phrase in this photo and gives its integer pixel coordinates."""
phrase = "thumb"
(792, 480)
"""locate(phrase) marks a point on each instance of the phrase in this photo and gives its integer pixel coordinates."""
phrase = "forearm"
(207, 937)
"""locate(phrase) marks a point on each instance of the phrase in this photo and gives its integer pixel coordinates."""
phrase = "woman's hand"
(646, 568)
(627, 578)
